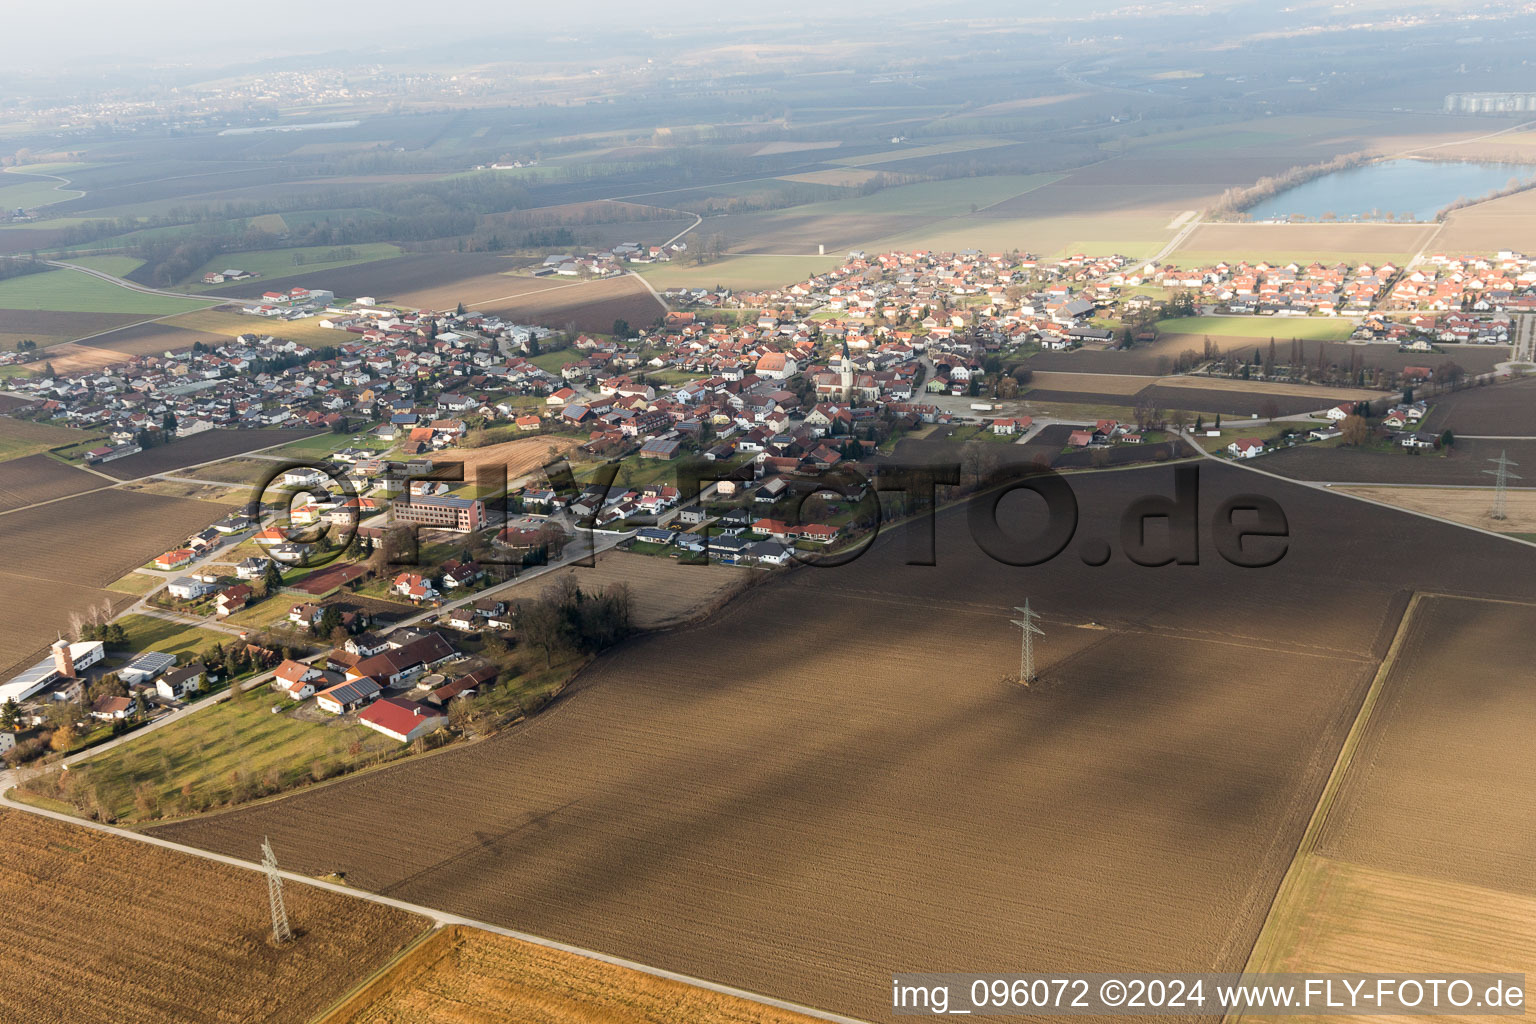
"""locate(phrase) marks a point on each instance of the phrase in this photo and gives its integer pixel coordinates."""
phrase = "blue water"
(1420, 187)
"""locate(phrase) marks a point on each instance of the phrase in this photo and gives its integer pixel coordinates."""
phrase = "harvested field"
(520, 457)
(776, 803)
(1502, 410)
(1323, 395)
(665, 592)
(1488, 227)
(1421, 854)
(590, 306)
(20, 438)
(1328, 243)
(1112, 384)
(39, 478)
(50, 327)
(1238, 401)
(236, 471)
(386, 280)
(151, 339)
(467, 976)
(851, 177)
(106, 534)
(199, 448)
(1463, 466)
(113, 930)
(1467, 505)
(38, 610)
(1157, 357)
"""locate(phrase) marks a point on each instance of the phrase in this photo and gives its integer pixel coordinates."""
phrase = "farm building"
(400, 719)
(347, 696)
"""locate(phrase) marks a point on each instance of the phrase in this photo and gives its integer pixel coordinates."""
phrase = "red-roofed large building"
(401, 719)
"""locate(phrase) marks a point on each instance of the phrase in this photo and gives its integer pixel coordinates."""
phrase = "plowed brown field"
(831, 779)
(121, 932)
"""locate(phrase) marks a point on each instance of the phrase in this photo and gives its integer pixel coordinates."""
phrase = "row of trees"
(565, 618)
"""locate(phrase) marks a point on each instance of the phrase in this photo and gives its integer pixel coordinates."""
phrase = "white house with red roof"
(1246, 448)
(401, 719)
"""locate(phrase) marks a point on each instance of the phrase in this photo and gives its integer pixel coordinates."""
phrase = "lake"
(1420, 187)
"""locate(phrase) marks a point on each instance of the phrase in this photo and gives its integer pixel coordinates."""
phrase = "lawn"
(1308, 328)
(224, 749)
(287, 262)
(148, 633)
(71, 291)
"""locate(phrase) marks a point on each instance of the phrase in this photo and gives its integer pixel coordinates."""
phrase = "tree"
(1269, 409)
(272, 578)
(63, 738)
(168, 424)
(8, 715)
(1447, 440)
(330, 621)
(621, 328)
(1355, 430)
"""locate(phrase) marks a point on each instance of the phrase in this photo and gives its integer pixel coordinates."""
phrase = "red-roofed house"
(400, 719)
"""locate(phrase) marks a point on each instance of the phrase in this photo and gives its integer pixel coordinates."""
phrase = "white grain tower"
(280, 931)
(1501, 478)
(1029, 630)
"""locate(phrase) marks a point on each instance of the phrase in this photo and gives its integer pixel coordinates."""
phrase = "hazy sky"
(179, 29)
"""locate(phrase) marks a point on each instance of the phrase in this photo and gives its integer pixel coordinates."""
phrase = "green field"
(74, 292)
(207, 750)
(281, 262)
(914, 152)
(29, 193)
(19, 438)
(737, 272)
(147, 633)
(1307, 328)
(117, 266)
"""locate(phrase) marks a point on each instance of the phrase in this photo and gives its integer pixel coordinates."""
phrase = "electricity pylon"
(280, 931)
(1501, 478)
(1028, 631)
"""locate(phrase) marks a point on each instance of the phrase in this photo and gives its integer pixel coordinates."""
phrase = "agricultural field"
(1462, 466)
(227, 323)
(21, 438)
(1487, 227)
(1169, 759)
(1090, 383)
(125, 529)
(75, 292)
(1469, 506)
(666, 593)
(435, 275)
(1506, 410)
(38, 610)
(53, 327)
(109, 929)
(520, 457)
(1416, 861)
(209, 446)
(744, 272)
(1303, 243)
(1157, 357)
(468, 976)
(1310, 328)
(271, 263)
(36, 478)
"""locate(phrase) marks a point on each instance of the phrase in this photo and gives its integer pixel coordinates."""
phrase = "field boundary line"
(365, 987)
(1263, 951)
(442, 917)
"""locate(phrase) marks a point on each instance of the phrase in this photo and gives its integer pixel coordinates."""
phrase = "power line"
(280, 931)
(1028, 632)
(1501, 478)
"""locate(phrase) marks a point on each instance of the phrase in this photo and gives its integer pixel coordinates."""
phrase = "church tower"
(845, 374)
